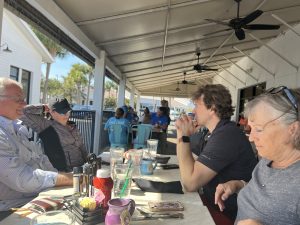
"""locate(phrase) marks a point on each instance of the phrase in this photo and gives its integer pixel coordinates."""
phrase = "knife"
(158, 216)
(146, 215)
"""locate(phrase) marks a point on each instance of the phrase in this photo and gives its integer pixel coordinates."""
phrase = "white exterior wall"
(288, 45)
(24, 56)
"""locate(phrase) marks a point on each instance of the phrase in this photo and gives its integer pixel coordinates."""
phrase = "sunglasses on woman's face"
(287, 93)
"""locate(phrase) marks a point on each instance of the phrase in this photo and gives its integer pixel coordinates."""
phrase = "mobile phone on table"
(169, 166)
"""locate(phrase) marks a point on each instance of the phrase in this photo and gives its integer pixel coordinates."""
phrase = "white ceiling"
(153, 43)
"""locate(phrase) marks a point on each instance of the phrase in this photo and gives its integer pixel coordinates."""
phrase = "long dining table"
(194, 211)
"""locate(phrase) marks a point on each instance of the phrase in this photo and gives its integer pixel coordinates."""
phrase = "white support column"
(99, 74)
(138, 103)
(132, 93)
(121, 92)
(1, 17)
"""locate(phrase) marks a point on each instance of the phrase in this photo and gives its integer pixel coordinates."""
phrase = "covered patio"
(152, 47)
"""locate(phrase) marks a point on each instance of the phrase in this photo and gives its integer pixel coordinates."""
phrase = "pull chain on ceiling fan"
(200, 68)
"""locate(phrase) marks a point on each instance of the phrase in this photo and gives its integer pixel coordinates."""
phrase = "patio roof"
(154, 42)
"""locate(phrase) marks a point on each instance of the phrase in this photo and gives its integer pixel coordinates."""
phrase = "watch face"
(185, 139)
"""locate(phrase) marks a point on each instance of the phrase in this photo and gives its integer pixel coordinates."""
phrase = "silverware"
(146, 215)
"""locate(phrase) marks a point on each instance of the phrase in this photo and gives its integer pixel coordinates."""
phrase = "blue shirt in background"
(122, 121)
(162, 120)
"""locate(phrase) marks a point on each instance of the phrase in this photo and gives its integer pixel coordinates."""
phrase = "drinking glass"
(152, 147)
(135, 157)
(116, 156)
(122, 177)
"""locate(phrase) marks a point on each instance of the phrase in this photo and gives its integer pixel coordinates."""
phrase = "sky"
(61, 67)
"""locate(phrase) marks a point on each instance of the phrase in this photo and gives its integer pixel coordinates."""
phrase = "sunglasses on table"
(286, 92)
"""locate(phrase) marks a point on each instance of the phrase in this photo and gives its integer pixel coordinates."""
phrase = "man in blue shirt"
(159, 119)
(118, 119)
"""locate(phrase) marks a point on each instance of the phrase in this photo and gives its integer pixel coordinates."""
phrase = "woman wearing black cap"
(62, 141)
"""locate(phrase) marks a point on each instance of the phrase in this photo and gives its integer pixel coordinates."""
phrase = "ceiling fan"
(238, 24)
(187, 82)
(200, 68)
(177, 88)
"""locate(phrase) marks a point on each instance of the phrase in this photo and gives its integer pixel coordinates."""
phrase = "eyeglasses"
(64, 114)
(287, 93)
(17, 99)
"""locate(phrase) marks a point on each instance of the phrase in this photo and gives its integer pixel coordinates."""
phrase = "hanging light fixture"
(6, 49)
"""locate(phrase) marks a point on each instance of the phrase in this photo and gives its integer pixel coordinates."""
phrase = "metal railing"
(85, 122)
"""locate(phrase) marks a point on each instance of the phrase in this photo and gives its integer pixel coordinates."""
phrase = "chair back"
(118, 135)
(144, 132)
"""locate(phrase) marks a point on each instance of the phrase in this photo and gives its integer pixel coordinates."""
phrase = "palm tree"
(55, 50)
(110, 85)
(79, 73)
(90, 73)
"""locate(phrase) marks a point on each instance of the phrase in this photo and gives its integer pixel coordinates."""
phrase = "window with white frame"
(26, 75)
(14, 73)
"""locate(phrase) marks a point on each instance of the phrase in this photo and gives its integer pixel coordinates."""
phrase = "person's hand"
(185, 126)
(249, 222)
(223, 191)
(46, 108)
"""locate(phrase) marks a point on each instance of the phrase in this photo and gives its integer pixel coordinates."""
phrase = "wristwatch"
(185, 139)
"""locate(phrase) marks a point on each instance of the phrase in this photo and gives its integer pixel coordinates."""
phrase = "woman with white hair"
(272, 195)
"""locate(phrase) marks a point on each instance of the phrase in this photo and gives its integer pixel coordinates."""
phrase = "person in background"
(69, 136)
(117, 119)
(25, 170)
(226, 154)
(272, 195)
(146, 117)
(159, 119)
(166, 109)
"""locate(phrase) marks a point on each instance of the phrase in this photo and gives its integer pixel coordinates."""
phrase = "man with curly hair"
(227, 155)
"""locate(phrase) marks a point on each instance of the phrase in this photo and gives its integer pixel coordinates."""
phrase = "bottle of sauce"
(103, 182)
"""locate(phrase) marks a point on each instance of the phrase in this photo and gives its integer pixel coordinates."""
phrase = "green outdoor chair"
(143, 133)
(118, 135)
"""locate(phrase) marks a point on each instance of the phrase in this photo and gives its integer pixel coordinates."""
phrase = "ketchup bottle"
(104, 183)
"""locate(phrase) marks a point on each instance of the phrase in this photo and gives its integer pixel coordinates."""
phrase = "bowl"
(58, 217)
(162, 159)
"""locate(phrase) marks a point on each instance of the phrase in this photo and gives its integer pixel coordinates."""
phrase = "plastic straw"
(126, 180)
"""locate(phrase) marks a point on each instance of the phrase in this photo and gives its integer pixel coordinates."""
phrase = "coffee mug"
(148, 166)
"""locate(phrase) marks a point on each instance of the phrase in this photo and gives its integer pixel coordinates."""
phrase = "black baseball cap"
(61, 106)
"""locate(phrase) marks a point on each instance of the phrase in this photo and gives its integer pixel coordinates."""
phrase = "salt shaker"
(77, 180)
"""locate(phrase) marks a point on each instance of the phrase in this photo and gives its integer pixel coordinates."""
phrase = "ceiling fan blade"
(240, 34)
(215, 32)
(209, 69)
(252, 16)
(262, 27)
(217, 21)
